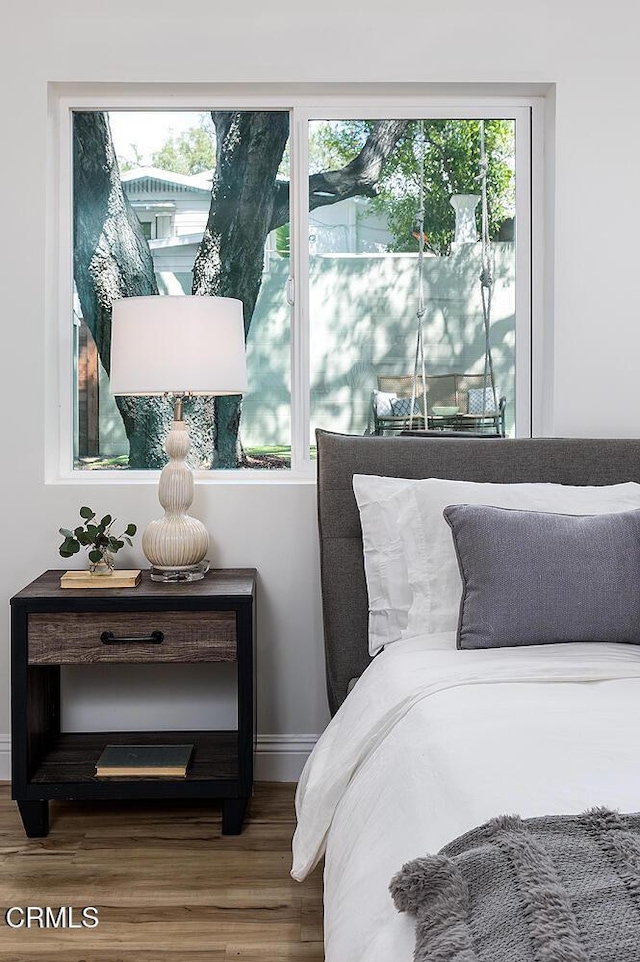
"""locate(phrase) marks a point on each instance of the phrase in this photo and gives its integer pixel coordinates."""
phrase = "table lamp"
(177, 346)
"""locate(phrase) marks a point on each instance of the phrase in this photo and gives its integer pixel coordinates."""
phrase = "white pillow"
(383, 403)
(429, 552)
(480, 400)
(385, 566)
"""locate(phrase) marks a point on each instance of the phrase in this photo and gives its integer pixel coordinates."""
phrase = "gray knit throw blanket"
(555, 889)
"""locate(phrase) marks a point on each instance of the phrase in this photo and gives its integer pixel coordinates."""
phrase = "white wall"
(590, 359)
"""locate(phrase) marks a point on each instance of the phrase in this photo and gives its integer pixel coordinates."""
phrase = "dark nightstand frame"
(49, 764)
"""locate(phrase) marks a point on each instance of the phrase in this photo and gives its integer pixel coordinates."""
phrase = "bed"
(433, 741)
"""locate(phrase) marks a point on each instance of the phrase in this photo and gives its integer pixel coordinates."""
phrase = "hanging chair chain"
(419, 362)
(486, 277)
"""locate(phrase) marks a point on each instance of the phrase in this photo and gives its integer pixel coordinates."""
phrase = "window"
(163, 225)
(172, 246)
(311, 215)
(371, 286)
(154, 226)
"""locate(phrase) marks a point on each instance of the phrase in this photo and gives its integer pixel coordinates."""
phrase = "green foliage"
(451, 166)
(283, 240)
(325, 144)
(96, 537)
(335, 143)
(191, 152)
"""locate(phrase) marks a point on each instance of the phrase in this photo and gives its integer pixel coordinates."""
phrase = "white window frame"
(320, 102)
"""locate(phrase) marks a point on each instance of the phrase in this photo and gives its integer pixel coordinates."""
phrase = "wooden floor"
(168, 886)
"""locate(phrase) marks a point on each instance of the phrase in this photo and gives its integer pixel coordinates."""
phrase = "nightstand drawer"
(116, 637)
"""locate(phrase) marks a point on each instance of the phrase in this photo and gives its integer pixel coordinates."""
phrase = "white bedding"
(433, 741)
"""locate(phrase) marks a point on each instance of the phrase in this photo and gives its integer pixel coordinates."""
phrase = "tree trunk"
(111, 260)
(249, 148)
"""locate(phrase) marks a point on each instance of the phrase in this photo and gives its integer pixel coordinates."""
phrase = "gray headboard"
(344, 594)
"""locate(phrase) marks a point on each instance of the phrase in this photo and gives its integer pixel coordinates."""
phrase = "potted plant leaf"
(97, 538)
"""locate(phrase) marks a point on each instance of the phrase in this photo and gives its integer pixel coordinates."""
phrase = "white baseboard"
(279, 758)
(5, 758)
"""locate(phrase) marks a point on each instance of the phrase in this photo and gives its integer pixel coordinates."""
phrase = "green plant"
(96, 537)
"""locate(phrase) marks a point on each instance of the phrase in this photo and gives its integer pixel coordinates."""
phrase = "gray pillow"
(534, 578)
(401, 406)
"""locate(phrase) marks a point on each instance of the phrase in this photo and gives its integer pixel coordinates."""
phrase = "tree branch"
(357, 178)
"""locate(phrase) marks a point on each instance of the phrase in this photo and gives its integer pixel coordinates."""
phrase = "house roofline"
(196, 182)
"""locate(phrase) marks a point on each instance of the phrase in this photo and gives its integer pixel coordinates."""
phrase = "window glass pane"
(372, 289)
(182, 203)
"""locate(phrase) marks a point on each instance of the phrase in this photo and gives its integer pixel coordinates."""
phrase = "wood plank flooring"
(169, 887)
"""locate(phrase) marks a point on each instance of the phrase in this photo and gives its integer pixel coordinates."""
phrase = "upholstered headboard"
(344, 595)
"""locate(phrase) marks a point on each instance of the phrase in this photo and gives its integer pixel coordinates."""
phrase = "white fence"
(363, 323)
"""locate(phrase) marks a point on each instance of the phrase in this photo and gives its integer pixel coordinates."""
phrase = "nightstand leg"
(35, 817)
(233, 810)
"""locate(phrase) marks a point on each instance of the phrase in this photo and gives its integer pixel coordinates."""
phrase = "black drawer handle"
(155, 638)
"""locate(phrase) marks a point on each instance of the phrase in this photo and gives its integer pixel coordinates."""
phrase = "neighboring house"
(173, 210)
(348, 227)
(168, 204)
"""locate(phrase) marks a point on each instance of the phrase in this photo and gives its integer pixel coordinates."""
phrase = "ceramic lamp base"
(176, 544)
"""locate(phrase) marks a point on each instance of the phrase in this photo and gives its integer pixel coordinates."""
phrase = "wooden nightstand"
(212, 620)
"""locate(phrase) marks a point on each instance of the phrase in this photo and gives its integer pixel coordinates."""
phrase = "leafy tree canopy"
(191, 152)
(451, 166)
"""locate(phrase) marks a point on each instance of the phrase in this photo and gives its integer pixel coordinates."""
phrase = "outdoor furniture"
(461, 391)
(391, 405)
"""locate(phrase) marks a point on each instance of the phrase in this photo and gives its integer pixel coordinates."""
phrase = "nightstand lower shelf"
(67, 771)
(72, 757)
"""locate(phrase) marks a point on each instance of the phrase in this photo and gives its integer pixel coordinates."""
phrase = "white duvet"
(433, 741)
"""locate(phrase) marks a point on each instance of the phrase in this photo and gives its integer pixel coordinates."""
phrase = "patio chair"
(391, 404)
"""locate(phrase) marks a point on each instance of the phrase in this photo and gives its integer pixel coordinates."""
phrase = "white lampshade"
(177, 345)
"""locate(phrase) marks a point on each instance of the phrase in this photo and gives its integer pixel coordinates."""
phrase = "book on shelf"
(144, 761)
(120, 578)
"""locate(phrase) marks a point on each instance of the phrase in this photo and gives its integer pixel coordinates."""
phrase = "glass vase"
(104, 566)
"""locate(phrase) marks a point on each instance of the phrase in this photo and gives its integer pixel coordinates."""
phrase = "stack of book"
(144, 761)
